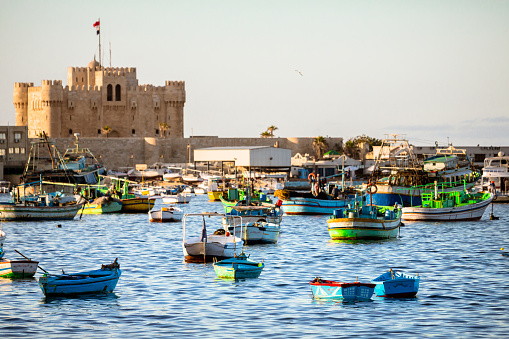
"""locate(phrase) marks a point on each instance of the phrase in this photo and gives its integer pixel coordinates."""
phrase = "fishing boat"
(38, 210)
(345, 291)
(365, 222)
(102, 205)
(239, 267)
(496, 170)
(216, 195)
(396, 285)
(166, 214)
(317, 201)
(401, 179)
(78, 165)
(131, 203)
(449, 206)
(103, 280)
(22, 268)
(179, 198)
(271, 213)
(204, 248)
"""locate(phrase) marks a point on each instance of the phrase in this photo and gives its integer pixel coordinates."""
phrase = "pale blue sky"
(427, 69)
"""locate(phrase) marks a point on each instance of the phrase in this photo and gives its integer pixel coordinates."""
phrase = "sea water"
(463, 288)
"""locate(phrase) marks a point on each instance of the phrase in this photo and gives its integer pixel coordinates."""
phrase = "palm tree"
(271, 130)
(106, 130)
(320, 145)
(265, 134)
(163, 127)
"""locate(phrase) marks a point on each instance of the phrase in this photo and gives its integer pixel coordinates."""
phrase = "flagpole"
(99, 20)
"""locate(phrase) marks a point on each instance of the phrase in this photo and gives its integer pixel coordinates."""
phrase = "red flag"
(97, 25)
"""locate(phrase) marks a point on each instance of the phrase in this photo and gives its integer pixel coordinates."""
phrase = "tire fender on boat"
(370, 190)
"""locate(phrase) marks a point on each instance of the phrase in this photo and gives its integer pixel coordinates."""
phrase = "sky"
(427, 70)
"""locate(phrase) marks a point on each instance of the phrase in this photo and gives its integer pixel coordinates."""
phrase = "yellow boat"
(214, 195)
(137, 205)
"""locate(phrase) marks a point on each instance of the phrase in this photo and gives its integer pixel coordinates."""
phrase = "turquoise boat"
(103, 205)
(335, 290)
(396, 285)
(103, 280)
(240, 267)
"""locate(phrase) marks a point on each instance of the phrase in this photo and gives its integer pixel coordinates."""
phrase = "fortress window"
(133, 131)
(70, 131)
(98, 131)
(157, 131)
(117, 93)
(109, 93)
(82, 80)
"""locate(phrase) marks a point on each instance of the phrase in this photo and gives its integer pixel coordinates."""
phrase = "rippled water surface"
(463, 290)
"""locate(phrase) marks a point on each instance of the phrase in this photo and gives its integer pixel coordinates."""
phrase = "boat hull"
(256, 233)
(18, 268)
(307, 206)
(110, 207)
(137, 205)
(166, 214)
(218, 247)
(238, 270)
(13, 212)
(85, 283)
(215, 195)
(363, 228)
(458, 213)
(331, 290)
(397, 285)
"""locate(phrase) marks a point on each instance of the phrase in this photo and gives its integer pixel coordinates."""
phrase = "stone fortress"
(96, 97)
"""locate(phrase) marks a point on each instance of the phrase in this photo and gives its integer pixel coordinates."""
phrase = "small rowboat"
(102, 280)
(166, 214)
(396, 285)
(23, 268)
(240, 267)
(334, 290)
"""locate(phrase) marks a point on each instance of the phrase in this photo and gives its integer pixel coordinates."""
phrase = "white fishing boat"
(179, 198)
(166, 214)
(449, 206)
(496, 170)
(208, 247)
(23, 268)
(37, 210)
(260, 232)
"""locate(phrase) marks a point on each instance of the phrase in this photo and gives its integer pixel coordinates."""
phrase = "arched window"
(70, 131)
(133, 132)
(117, 93)
(99, 131)
(109, 93)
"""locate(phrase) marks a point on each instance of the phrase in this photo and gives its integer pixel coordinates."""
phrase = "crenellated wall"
(96, 97)
(122, 152)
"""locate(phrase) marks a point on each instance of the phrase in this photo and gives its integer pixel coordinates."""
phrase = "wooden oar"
(31, 260)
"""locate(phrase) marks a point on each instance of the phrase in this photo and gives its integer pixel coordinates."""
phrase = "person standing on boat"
(493, 188)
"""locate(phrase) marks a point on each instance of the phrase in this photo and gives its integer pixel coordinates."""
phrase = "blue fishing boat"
(240, 267)
(335, 290)
(102, 280)
(396, 285)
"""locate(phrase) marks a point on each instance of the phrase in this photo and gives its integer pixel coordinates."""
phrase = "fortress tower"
(96, 97)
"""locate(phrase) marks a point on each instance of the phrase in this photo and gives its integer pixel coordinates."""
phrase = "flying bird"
(298, 72)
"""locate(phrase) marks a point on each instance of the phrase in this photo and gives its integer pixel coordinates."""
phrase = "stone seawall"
(120, 152)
